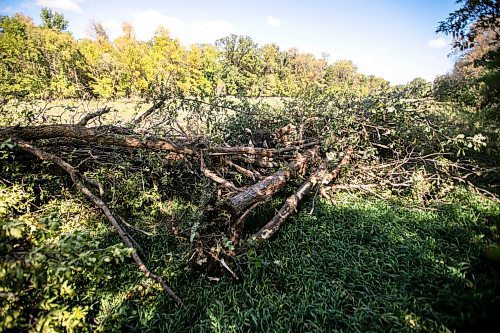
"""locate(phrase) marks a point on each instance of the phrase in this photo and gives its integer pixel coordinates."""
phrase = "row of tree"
(47, 62)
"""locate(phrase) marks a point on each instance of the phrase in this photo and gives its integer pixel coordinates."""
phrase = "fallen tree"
(307, 154)
(124, 138)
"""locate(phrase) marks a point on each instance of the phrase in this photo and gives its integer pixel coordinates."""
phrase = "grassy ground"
(357, 264)
(70, 111)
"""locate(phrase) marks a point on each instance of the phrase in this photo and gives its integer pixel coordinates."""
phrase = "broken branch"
(90, 116)
(76, 178)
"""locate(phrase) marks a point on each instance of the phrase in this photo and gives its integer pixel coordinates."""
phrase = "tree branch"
(159, 104)
(319, 177)
(271, 184)
(90, 116)
(76, 178)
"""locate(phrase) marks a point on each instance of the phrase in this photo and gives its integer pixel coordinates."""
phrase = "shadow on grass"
(358, 265)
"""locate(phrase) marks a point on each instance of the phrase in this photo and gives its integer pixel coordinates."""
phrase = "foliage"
(126, 67)
(475, 29)
(53, 20)
(466, 23)
(342, 274)
(401, 248)
(47, 256)
(39, 62)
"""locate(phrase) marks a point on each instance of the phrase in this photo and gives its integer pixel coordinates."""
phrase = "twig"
(128, 225)
(252, 174)
(148, 112)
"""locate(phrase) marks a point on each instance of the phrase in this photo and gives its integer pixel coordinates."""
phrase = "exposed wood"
(281, 134)
(76, 178)
(335, 173)
(216, 178)
(258, 151)
(271, 184)
(241, 150)
(320, 176)
(249, 173)
(262, 162)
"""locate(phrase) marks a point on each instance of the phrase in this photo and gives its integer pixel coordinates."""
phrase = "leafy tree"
(467, 23)
(129, 57)
(165, 63)
(47, 62)
(53, 20)
(342, 72)
(20, 66)
(97, 32)
(240, 63)
(211, 68)
(475, 28)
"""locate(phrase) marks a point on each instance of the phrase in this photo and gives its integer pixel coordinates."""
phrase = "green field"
(355, 264)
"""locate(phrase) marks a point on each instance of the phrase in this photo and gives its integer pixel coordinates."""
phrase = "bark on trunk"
(97, 135)
(269, 185)
(123, 137)
(318, 178)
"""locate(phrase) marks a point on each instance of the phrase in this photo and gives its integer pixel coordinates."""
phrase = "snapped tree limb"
(320, 176)
(84, 121)
(271, 184)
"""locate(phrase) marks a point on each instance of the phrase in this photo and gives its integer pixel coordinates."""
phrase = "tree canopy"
(53, 20)
(126, 67)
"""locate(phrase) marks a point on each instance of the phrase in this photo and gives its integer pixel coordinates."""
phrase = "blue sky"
(394, 39)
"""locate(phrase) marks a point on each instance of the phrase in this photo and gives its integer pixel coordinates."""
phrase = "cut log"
(319, 177)
(271, 184)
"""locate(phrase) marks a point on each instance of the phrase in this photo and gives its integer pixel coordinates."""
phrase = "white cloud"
(273, 21)
(145, 24)
(382, 50)
(65, 5)
(113, 28)
(438, 43)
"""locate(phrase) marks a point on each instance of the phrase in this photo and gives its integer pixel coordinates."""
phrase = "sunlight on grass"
(356, 265)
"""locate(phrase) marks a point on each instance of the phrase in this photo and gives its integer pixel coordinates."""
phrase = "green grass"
(357, 264)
